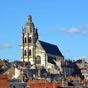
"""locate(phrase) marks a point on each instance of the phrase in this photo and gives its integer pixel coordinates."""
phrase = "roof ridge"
(48, 43)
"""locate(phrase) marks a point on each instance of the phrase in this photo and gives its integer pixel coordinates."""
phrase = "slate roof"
(4, 66)
(3, 70)
(51, 48)
(76, 84)
(68, 65)
(79, 61)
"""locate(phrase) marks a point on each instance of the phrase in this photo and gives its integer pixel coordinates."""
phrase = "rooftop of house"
(4, 66)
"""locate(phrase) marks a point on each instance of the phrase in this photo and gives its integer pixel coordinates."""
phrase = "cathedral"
(37, 52)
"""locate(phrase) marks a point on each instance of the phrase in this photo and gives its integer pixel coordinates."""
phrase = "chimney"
(83, 62)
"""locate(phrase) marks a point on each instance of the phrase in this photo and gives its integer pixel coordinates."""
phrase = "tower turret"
(29, 38)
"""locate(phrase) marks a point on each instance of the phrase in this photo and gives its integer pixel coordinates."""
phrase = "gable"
(39, 47)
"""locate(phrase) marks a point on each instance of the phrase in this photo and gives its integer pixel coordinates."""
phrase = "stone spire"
(29, 38)
(29, 19)
(29, 26)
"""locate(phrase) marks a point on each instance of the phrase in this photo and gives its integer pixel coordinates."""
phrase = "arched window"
(38, 60)
(25, 40)
(29, 52)
(29, 40)
(25, 52)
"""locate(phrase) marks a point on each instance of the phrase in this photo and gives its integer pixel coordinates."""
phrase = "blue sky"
(60, 22)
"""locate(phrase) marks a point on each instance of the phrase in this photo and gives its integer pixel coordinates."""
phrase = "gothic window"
(29, 52)
(29, 40)
(25, 40)
(24, 52)
(38, 60)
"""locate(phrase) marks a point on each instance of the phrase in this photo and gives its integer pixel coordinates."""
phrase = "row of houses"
(76, 71)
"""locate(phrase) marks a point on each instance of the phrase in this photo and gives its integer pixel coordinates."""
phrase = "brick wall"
(42, 84)
(3, 81)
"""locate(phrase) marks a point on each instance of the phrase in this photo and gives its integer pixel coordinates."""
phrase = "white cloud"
(84, 33)
(71, 30)
(82, 30)
(85, 26)
(5, 46)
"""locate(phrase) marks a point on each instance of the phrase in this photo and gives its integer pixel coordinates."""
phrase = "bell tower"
(29, 38)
